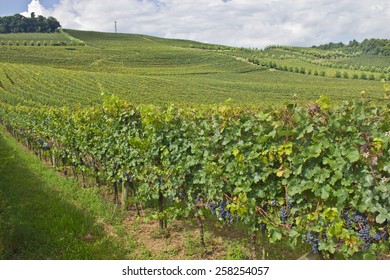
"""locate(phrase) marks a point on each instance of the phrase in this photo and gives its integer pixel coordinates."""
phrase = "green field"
(144, 69)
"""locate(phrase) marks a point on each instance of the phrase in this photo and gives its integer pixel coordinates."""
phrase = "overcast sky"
(248, 23)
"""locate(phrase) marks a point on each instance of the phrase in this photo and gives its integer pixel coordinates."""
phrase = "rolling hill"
(144, 69)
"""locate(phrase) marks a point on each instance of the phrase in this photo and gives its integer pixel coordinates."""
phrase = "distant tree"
(18, 24)
(353, 43)
(367, 46)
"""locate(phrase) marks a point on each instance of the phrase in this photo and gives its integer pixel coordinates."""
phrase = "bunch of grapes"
(347, 219)
(284, 214)
(379, 236)
(312, 238)
(359, 223)
(213, 207)
(219, 209)
(223, 213)
(359, 219)
(284, 210)
(364, 234)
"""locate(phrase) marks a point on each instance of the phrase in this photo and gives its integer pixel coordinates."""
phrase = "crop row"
(318, 174)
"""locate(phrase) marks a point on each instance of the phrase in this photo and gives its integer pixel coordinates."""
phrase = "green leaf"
(257, 178)
(275, 236)
(381, 218)
(369, 256)
(353, 156)
(369, 179)
(324, 194)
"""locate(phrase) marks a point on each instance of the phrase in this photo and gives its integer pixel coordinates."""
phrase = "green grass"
(45, 216)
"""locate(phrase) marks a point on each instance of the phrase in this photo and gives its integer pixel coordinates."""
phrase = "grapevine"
(316, 174)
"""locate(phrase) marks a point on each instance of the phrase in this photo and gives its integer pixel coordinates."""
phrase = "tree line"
(367, 46)
(34, 24)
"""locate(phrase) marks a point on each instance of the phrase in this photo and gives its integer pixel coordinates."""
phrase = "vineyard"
(149, 70)
(318, 174)
(308, 170)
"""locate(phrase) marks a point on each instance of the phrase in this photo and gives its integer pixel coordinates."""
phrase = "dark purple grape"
(283, 214)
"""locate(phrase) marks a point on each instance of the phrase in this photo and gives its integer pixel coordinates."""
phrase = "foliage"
(21, 24)
(367, 46)
(321, 170)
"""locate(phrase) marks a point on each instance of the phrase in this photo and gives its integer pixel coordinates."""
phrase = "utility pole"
(116, 30)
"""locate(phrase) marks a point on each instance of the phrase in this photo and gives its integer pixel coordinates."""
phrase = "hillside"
(145, 69)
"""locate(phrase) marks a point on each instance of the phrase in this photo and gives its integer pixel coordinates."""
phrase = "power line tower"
(116, 30)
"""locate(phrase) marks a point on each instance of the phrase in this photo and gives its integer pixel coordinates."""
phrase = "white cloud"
(35, 7)
(235, 22)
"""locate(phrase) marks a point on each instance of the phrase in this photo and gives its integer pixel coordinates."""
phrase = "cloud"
(35, 7)
(247, 23)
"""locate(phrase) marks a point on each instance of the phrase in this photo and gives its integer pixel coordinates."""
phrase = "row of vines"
(318, 174)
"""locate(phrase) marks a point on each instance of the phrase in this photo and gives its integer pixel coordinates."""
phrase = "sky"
(240, 23)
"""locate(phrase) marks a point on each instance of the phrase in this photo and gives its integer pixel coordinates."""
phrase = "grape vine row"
(318, 174)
